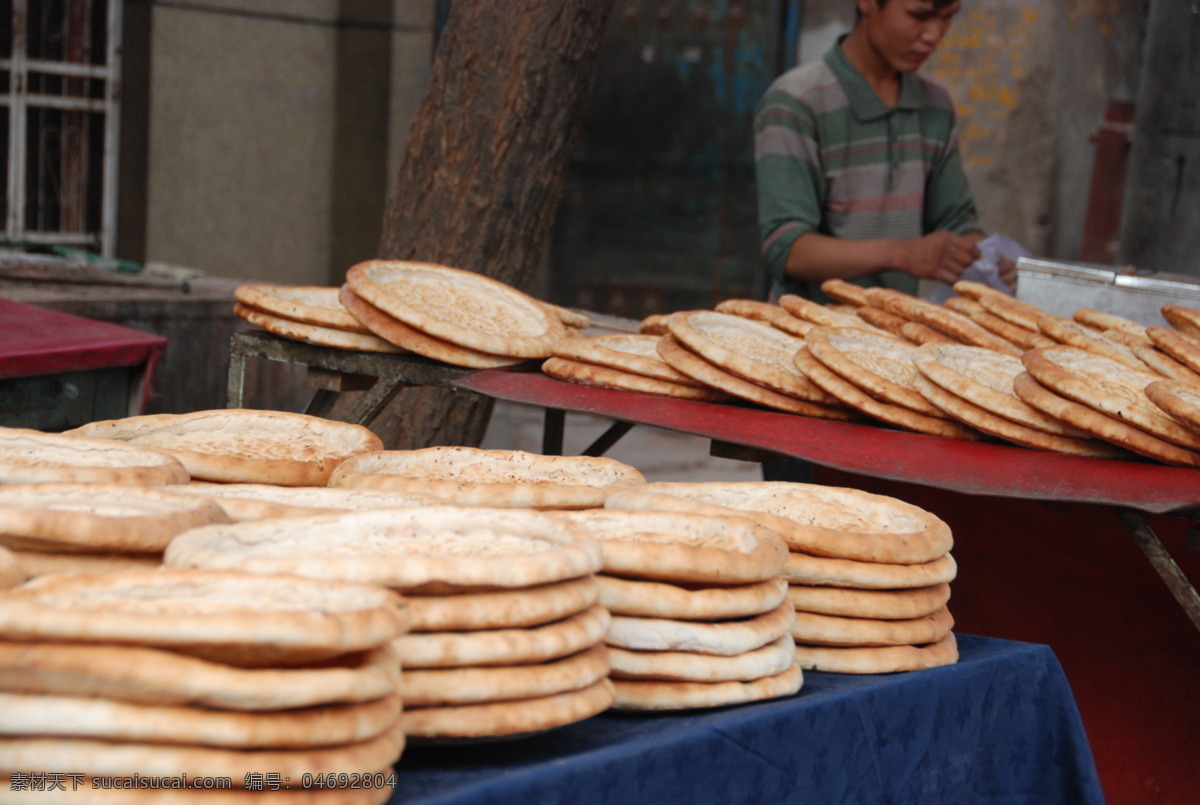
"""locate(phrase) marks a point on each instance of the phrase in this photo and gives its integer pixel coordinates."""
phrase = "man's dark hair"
(936, 4)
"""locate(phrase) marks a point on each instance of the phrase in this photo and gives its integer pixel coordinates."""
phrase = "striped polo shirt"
(830, 157)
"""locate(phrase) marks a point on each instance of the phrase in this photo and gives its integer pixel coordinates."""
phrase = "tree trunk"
(484, 168)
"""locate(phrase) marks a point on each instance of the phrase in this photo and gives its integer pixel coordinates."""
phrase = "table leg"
(1163, 563)
(236, 380)
(607, 439)
(552, 431)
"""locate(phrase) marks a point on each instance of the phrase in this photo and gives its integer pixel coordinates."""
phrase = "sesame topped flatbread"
(820, 520)
(98, 517)
(310, 304)
(399, 548)
(244, 445)
(754, 351)
(239, 618)
(628, 352)
(1108, 387)
(461, 307)
(29, 456)
(878, 364)
(1180, 400)
(678, 546)
(472, 476)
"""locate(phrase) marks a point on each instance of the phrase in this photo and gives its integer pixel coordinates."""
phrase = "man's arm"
(938, 255)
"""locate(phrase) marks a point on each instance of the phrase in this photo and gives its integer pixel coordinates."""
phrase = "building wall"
(271, 129)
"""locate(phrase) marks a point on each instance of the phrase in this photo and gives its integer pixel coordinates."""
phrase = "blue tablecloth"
(1001, 726)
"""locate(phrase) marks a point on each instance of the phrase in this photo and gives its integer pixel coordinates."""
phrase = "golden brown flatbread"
(878, 660)
(30, 456)
(773, 315)
(628, 352)
(877, 364)
(244, 445)
(307, 304)
(315, 334)
(657, 695)
(461, 307)
(590, 374)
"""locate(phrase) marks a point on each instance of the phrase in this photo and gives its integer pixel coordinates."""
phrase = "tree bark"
(484, 168)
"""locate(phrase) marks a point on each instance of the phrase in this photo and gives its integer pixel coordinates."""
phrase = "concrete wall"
(272, 126)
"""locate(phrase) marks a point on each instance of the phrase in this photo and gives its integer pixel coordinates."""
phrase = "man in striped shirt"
(858, 167)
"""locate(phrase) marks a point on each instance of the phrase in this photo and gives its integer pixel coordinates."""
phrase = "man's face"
(906, 32)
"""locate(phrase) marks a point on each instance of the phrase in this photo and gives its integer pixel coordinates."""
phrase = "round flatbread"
(441, 687)
(817, 313)
(43, 563)
(654, 599)
(507, 719)
(878, 660)
(655, 695)
(472, 476)
(855, 397)
(878, 604)
(845, 292)
(98, 518)
(261, 501)
(812, 629)
(773, 315)
(802, 568)
(405, 549)
(12, 572)
(1164, 364)
(238, 618)
(1073, 334)
(1107, 386)
(1178, 345)
(984, 378)
(153, 676)
(722, 638)
(634, 353)
(1099, 320)
(410, 339)
(816, 519)
(590, 374)
(315, 334)
(1019, 336)
(654, 324)
(42, 715)
(494, 647)
(679, 546)
(310, 304)
(244, 445)
(1184, 319)
(896, 325)
(30, 456)
(502, 609)
(684, 666)
(878, 364)
(753, 351)
(93, 757)
(946, 321)
(1180, 400)
(695, 366)
(1002, 428)
(462, 307)
(1012, 310)
(574, 319)
(1101, 425)
(975, 290)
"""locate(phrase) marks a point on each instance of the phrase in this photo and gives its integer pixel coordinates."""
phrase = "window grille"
(59, 79)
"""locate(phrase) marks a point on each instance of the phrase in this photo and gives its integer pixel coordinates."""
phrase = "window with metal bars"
(59, 116)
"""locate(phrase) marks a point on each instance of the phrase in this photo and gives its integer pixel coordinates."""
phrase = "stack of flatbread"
(626, 361)
(471, 476)
(450, 315)
(1107, 398)
(699, 615)
(975, 386)
(261, 501)
(744, 358)
(507, 632)
(57, 528)
(243, 445)
(308, 313)
(30, 456)
(167, 673)
(868, 575)
(874, 374)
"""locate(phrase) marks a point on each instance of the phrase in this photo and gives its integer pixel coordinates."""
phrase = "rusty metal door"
(659, 211)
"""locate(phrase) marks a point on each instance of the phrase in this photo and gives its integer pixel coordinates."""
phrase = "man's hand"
(939, 256)
(1007, 267)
